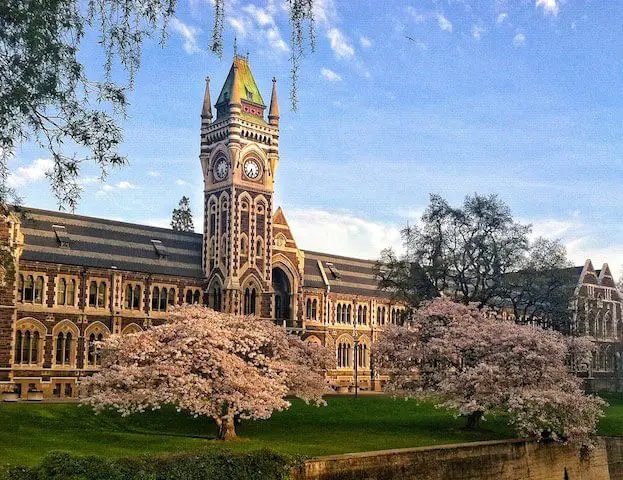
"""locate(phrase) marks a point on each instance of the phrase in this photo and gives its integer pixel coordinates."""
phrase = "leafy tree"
(478, 254)
(405, 280)
(466, 251)
(541, 290)
(182, 218)
(47, 97)
(463, 359)
(223, 366)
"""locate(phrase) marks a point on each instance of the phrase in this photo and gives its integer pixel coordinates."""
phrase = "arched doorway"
(282, 288)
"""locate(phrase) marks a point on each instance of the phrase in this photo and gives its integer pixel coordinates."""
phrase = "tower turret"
(273, 112)
(206, 111)
(239, 155)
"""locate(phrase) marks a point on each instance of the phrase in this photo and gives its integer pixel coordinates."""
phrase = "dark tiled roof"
(97, 242)
(352, 276)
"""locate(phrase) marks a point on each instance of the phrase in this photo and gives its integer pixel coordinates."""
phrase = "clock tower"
(239, 156)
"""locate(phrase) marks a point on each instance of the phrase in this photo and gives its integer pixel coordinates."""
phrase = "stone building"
(69, 280)
(597, 312)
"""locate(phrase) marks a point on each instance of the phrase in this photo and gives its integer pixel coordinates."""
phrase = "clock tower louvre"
(239, 156)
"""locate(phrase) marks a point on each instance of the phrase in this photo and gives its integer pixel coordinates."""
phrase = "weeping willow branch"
(302, 23)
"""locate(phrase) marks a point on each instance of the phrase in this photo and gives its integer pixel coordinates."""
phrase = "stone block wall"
(499, 460)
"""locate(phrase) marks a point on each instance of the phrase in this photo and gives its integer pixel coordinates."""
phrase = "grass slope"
(29, 431)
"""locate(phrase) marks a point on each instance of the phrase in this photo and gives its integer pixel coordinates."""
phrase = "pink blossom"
(219, 365)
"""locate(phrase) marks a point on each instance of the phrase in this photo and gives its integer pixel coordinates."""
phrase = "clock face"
(221, 169)
(252, 169)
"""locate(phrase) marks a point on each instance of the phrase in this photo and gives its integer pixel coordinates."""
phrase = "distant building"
(598, 312)
(79, 279)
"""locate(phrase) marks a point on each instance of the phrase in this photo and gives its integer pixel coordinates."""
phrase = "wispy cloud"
(477, 31)
(502, 17)
(421, 17)
(125, 185)
(153, 173)
(258, 24)
(342, 233)
(330, 75)
(365, 42)
(550, 7)
(181, 182)
(443, 22)
(31, 173)
(340, 44)
(188, 34)
(519, 39)
(122, 185)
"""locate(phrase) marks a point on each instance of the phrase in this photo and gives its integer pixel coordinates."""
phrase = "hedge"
(213, 465)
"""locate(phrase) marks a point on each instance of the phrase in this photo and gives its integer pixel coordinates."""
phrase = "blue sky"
(519, 97)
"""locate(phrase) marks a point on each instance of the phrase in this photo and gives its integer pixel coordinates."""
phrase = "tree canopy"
(220, 365)
(182, 217)
(466, 360)
(478, 253)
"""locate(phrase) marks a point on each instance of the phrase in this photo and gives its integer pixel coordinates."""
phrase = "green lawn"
(29, 431)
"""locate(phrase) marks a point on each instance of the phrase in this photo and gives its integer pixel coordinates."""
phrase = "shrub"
(214, 465)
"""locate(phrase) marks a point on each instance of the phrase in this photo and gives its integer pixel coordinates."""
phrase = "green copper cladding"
(248, 88)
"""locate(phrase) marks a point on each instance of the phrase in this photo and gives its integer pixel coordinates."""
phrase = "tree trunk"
(473, 420)
(227, 428)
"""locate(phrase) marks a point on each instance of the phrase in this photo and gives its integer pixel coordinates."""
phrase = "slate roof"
(102, 243)
(346, 275)
(97, 242)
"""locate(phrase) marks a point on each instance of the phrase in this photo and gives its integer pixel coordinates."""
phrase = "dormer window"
(248, 93)
(333, 269)
(61, 235)
(160, 249)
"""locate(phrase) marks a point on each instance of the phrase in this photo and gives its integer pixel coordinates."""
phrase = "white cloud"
(342, 233)
(108, 188)
(261, 16)
(32, 173)
(502, 17)
(477, 31)
(365, 42)
(180, 182)
(519, 39)
(125, 185)
(239, 25)
(330, 75)
(419, 17)
(258, 24)
(339, 44)
(153, 173)
(324, 11)
(188, 33)
(443, 23)
(549, 6)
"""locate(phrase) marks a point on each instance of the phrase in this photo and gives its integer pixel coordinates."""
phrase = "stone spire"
(206, 111)
(235, 88)
(273, 112)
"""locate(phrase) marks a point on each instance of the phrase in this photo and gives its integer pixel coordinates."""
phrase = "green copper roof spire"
(245, 83)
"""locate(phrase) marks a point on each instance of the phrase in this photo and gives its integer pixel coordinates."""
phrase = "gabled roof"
(246, 83)
(97, 242)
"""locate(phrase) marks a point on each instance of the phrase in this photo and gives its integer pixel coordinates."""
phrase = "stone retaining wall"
(499, 460)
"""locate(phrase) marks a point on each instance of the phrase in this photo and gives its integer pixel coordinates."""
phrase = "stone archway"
(283, 294)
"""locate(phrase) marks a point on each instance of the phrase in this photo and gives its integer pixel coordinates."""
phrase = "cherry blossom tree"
(220, 365)
(468, 361)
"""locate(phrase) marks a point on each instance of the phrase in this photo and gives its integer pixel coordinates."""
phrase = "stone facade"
(598, 307)
(69, 281)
